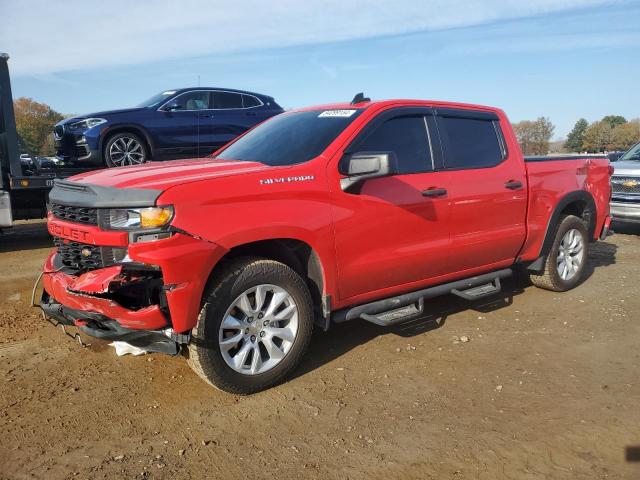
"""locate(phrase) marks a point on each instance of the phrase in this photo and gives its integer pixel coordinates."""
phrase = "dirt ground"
(548, 386)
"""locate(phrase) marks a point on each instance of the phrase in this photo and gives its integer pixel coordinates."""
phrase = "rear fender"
(573, 197)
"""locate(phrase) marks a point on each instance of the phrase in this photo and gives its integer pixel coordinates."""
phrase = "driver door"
(178, 126)
(390, 232)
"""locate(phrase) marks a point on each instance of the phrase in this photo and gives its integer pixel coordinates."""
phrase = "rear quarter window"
(470, 142)
(249, 101)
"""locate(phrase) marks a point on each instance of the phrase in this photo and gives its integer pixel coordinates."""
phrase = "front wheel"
(565, 263)
(253, 328)
(125, 149)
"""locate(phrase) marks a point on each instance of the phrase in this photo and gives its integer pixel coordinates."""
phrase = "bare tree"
(597, 138)
(534, 136)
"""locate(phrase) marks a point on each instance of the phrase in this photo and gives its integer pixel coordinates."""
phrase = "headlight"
(139, 218)
(86, 124)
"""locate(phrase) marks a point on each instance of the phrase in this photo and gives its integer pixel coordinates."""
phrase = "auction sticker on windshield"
(337, 113)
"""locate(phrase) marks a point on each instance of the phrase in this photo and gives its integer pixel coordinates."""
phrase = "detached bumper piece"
(99, 326)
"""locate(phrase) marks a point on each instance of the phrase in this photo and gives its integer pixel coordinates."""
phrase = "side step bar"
(391, 311)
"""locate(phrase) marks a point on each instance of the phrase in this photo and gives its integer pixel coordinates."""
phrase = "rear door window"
(470, 142)
(226, 100)
(407, 137)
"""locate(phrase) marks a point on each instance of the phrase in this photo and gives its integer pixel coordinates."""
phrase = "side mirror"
(362, 166)
(172, 107)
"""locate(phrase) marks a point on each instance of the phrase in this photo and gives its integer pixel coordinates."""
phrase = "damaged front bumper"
(99, 326)
(152, 302)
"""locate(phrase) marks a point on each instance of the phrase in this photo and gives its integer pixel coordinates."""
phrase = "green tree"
(614, 120)
(34, 123)
(576, 136)
(597, 137)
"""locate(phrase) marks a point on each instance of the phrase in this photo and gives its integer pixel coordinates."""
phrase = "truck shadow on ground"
(341, 338)
(601, 254)
(25, 236)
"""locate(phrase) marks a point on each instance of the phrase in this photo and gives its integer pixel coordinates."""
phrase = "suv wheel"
(124, 149)
(254, 327)
(566, 261)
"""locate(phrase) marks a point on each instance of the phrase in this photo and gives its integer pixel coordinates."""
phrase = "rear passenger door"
(487, 190)
(228, 118)
(390, 235)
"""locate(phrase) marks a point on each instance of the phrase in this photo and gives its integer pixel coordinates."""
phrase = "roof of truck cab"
(398, 103)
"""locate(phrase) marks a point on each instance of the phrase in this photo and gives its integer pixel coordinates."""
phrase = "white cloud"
(46, 36)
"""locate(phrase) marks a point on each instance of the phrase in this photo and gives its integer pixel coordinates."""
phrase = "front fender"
(127, 127)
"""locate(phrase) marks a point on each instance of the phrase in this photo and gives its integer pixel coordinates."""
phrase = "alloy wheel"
(258, 329)
(126, 151)
(570, 254)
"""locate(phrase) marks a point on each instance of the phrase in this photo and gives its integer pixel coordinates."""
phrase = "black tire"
(204, 353)
(550, 278)
(141, 155)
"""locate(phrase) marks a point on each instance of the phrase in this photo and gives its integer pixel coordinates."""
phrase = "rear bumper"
(625, 212)
(181, 265)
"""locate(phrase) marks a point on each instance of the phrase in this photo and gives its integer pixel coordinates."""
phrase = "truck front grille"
(625, 185)
(85, 257)
(78, 256)
(84, 215)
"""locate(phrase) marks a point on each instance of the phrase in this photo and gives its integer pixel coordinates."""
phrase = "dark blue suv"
(187, 122)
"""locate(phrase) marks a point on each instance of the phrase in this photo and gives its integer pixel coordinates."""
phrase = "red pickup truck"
(317, 216)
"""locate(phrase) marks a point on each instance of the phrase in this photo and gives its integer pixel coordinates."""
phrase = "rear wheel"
(254, 327)
(125, 149)
(566, 261)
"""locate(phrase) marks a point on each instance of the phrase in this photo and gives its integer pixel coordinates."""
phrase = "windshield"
(290, 138)
(632, 154)
(157, 99)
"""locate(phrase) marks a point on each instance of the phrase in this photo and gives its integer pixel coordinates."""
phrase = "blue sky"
(563, 59)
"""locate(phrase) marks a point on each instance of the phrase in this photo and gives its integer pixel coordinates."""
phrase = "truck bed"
(550, 178)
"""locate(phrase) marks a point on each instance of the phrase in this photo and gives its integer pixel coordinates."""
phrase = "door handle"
(434, 192)
(251, 114)
(513, 184)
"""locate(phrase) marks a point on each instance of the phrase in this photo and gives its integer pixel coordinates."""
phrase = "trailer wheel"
(254, 326)
(566, 261)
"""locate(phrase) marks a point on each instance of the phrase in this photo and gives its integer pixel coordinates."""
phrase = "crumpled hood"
(164, 175)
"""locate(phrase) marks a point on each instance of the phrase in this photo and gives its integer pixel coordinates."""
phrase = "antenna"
(359, 98)
(198, 129)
